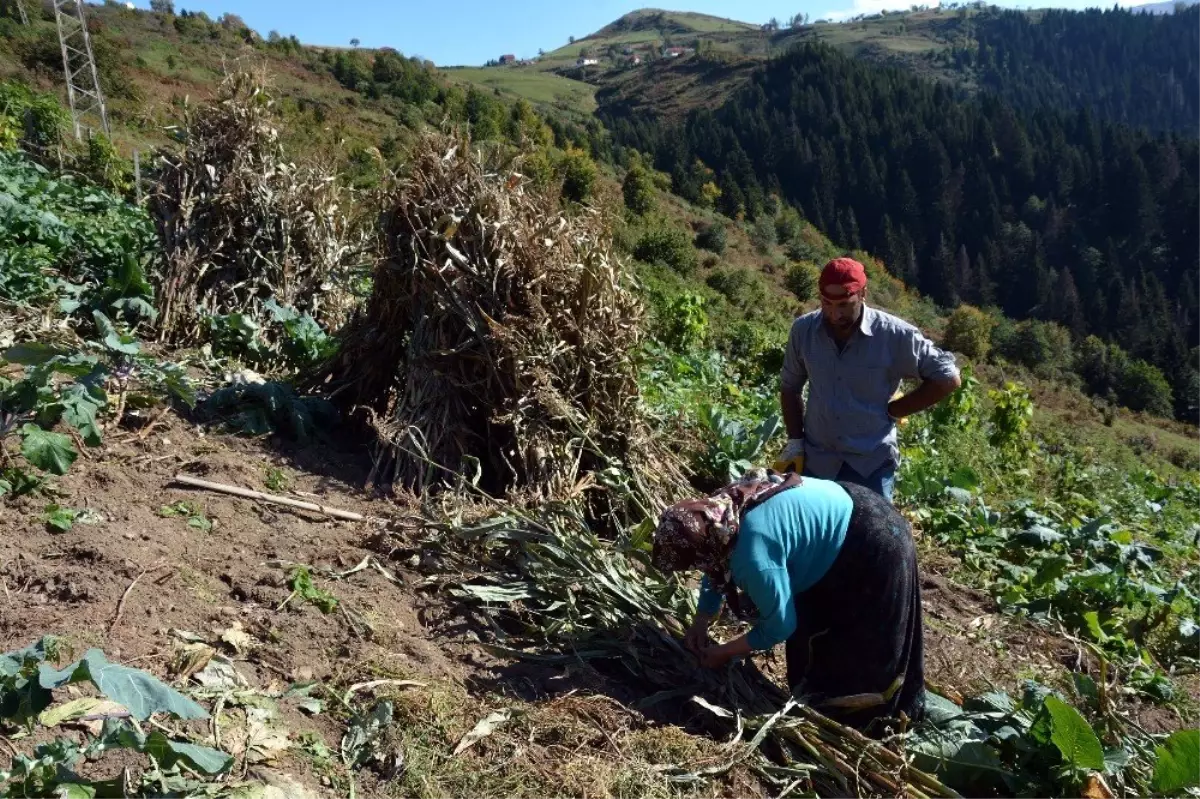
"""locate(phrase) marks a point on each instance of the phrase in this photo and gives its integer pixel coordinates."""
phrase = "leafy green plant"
(27, 686)
(58, 383)
(66, 242)
(1012, 412)
(682, 322)
(732, 446)
(301, 582)
(277, 480)
(59, 518)
(194, 514)
(285, 339)
(261, 408)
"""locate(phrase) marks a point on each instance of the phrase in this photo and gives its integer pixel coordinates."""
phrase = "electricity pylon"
(79, 64)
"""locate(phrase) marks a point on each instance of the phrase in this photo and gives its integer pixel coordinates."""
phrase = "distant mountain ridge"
(1168, 7)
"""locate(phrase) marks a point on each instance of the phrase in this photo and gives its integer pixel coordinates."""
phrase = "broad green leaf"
(201, 758)
(1092, 618)
(50, 452)
(31, 353)
(80, 406)
(1178, 764)
(1039, 535)
(137, 690)
(965, 478)
(76, 790)
(1073, 736)
(59, 518)
(113, 339)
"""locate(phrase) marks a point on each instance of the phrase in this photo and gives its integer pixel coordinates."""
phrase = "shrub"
(1143, 388)
(668, 245)
(1043, 347)
(762, 235)
(757, 347)
(801, 280)
(744, 289)
(712, 238)
(969, 331)
(638, 189)
(579, 175)
(788, 226)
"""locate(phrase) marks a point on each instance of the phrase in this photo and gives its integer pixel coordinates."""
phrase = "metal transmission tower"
(83, 83)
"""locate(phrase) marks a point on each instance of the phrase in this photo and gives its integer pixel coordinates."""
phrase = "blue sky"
(472, 31)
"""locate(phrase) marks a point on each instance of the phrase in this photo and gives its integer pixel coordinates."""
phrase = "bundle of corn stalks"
(552, 585)
(240, 223)
(498, 340)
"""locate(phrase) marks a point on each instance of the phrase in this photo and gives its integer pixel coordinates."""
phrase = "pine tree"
(964, 277)
(1066, 308)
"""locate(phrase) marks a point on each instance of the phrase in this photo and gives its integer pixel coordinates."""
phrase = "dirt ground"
(135, 582)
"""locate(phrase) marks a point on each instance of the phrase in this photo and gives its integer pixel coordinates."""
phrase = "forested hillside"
(1139, 69)
(1049, 214)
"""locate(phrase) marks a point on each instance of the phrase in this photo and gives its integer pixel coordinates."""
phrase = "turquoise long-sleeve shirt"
(784, 547)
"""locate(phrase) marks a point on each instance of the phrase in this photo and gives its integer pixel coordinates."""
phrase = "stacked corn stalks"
(239, 223)
(498, 340)
(564, 588)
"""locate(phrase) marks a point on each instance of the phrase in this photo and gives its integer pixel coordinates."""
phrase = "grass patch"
(544, 88)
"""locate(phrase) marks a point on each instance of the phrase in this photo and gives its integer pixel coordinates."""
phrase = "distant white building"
(587, 62)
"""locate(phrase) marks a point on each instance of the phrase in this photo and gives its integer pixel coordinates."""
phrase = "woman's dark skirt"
(859, 627)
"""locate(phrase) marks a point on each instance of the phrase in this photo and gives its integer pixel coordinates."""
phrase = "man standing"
(853, 357)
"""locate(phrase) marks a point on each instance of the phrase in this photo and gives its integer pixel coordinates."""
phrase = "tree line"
(1045, 214)
(1142, 70)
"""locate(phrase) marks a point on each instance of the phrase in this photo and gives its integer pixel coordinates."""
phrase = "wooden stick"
(248, 494)
(121, 605)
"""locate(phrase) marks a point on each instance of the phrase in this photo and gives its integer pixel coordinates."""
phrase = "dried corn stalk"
(239, 223)
(498, 339)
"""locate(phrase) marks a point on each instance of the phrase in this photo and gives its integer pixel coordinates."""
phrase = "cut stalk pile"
(562, 587)
(498, 341)
(239, 223)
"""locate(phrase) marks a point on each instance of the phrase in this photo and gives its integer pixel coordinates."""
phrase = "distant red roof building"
(507, 59)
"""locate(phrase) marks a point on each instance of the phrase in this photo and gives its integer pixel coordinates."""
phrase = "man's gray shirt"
(845, 417)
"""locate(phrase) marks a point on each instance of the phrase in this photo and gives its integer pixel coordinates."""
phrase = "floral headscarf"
(700, 533)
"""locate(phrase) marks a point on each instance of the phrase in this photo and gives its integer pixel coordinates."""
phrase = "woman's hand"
(714, 657)
(696, 638)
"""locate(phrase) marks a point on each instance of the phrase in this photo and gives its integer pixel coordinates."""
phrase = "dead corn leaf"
(88, 707)
(483, 729)
(1095, 788)
(238, 638)
(191, 658)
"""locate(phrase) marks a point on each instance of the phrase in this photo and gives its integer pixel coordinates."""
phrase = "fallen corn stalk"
(566, 588)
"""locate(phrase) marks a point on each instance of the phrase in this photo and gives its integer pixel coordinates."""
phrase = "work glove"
(902, 421)
(792, 457)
